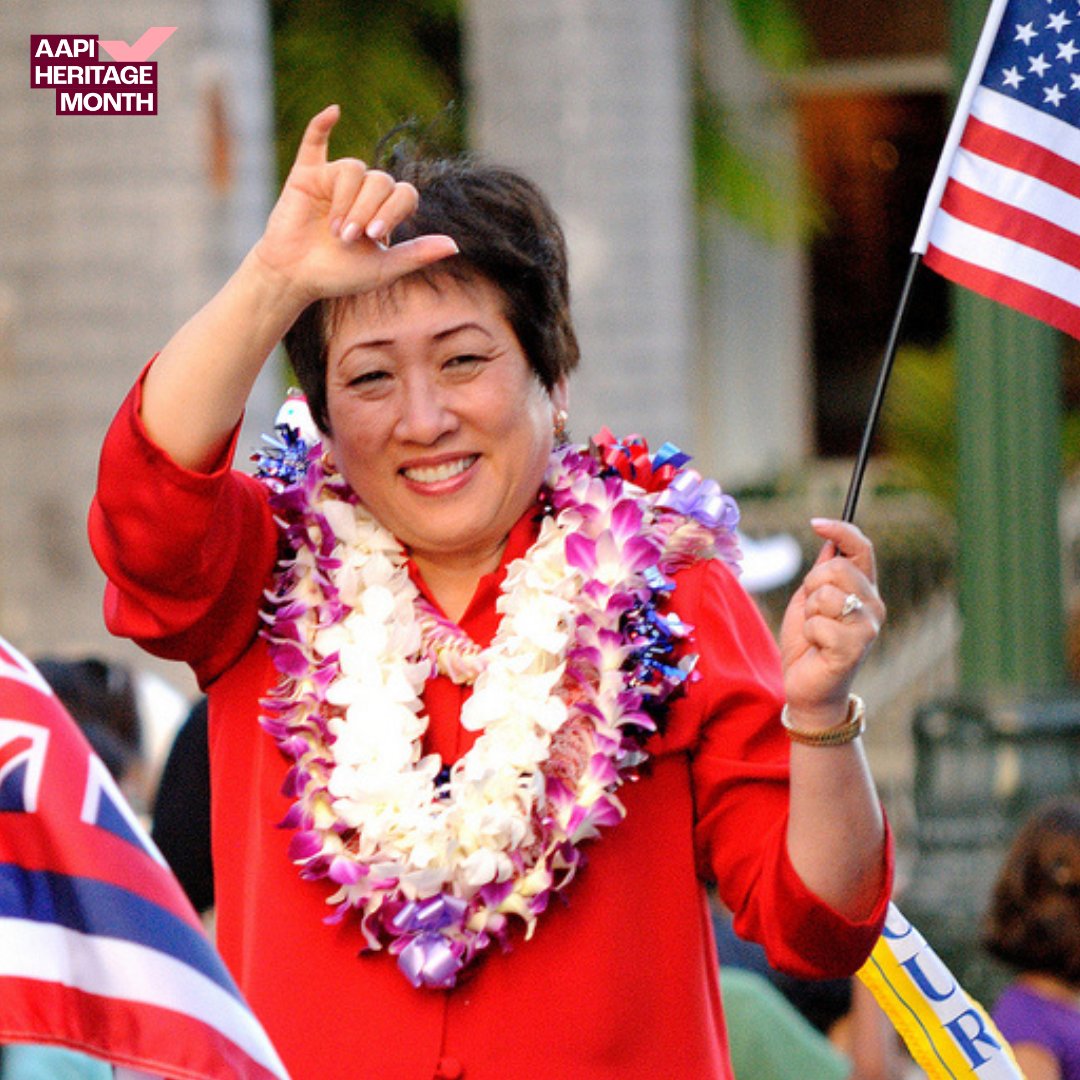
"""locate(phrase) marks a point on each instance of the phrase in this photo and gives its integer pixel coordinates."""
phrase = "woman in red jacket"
(486, 708)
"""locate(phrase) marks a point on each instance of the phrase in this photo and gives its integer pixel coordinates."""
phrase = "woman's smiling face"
(437, 420)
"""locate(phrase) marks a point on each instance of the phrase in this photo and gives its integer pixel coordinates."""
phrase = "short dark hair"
(1033, 922)
(101, 697)
(507, 233)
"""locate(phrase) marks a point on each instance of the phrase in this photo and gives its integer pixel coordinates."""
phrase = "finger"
(348, 178)
(399, 205)
(833, 602)
(827, 552)
(839, 590)
(832, 663)
(373, 193)
(839, 572)
(402, 259)
(848, 541)
(843, 641)
(315, 142)
(826, 601)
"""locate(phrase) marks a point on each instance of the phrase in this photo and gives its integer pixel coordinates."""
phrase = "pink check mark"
(143, 49)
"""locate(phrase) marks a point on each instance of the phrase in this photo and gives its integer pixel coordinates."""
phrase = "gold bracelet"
(851, 727)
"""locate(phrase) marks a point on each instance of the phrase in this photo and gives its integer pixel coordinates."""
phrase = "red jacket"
(620, 979)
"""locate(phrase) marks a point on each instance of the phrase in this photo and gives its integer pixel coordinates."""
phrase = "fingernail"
(376, 228)
(820, 521)
(335, 227)
(350, 232)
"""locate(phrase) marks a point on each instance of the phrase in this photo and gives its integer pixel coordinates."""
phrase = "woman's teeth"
(432, 474)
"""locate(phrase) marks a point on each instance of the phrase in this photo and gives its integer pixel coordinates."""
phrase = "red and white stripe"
(1008, 221)
(100, 950)
(127, 1003)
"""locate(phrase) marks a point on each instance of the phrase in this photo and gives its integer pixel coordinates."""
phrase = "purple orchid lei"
(437, 861)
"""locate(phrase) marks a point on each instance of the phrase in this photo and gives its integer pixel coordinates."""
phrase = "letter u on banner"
(947, 1032)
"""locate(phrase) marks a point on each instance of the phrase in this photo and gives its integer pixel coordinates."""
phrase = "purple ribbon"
(430, 916)
(431, 958)
(701, 499)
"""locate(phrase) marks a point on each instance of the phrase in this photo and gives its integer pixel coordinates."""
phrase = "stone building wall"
(692, 329)
(113, 230)
(590, 99)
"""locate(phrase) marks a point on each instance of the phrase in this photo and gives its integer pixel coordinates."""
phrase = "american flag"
(1003, 215)
(100, 950)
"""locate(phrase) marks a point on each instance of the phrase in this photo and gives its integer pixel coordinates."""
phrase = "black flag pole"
(879, 391)
(942, 175)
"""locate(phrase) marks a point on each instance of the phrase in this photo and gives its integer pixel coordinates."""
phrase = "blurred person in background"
(102, 699)
(181, 818)
(1033, 925)
(129, 717)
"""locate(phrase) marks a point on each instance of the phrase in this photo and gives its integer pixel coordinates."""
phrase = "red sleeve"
(730, 723)
(187, 554)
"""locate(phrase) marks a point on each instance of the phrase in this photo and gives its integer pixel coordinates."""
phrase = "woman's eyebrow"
(382, 343)
(458, 328)
(440, 335)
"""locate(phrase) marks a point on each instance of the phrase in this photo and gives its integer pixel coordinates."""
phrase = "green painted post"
(1008, 449)
(1009, 463)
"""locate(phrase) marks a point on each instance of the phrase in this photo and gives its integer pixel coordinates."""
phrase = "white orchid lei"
(436, 860)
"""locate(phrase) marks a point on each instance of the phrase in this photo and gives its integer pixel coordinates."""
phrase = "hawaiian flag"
(100, 950)
(1003, 214)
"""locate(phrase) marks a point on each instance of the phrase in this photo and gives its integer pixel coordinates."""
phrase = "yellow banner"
(949, 1034)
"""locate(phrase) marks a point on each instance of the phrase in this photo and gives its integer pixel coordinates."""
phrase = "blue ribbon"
(669, 454)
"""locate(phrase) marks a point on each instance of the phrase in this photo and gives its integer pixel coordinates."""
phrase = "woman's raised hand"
(326, 236)
(832, 620)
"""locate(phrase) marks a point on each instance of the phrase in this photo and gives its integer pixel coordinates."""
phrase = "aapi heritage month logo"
(87, 85)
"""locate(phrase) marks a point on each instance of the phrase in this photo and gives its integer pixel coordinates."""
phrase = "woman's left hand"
(830, 624)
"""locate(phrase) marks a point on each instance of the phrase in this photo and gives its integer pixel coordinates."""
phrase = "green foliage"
(918, 428)
(918, 424)
(769, 196)
(384, 61)
(392, 61)
(774, 32)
